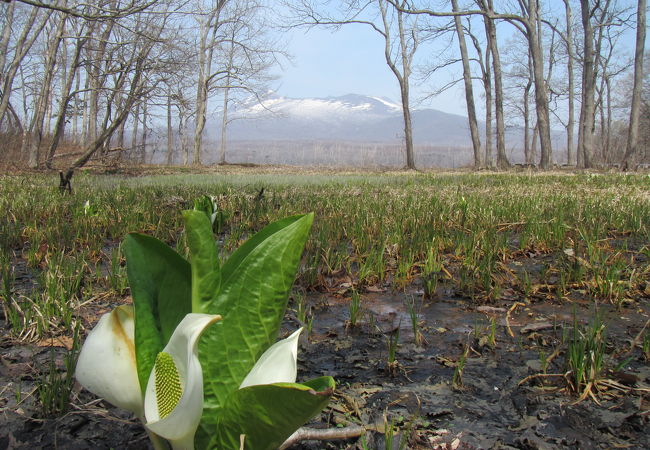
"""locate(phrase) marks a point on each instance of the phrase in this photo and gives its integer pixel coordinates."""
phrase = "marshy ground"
(454, 310)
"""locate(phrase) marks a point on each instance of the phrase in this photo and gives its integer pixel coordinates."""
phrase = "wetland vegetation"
(455, 310)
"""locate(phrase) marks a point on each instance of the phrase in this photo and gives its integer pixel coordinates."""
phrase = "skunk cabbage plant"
(173, 402)
(195, 380)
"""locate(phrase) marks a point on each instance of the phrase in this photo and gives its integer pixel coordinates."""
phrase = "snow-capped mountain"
(349, 130)
(351, 117)
(354, 106)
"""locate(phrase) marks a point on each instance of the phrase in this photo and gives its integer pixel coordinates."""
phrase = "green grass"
(354, 307)
(376, 228)
(585, 357)
(476, 235)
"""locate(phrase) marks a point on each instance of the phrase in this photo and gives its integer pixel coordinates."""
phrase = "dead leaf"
(59, 341)
(536, 326)
(375, 289)
(490, 310)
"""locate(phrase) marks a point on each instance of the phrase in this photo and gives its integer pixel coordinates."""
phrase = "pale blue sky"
(350, 60)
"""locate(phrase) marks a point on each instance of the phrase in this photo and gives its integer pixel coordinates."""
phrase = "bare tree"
(491, 34)
(66, 90)
(32, 139)
(34, 23)
(570, 126)
(631, 149)
(400, 35)
(210, 22)
(484, 61)
(528, 23)
(248, 53)
(611, 65)
(99, 10)
(129, 69)
(531, 13)
(469, 91)
(407, 48)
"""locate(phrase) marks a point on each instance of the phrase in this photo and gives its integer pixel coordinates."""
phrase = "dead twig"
(510, 311)
(539, 375)
(329, 434)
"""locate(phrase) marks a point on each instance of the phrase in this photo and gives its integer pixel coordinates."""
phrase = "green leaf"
(268, 414)
(206, 276)
(252, 300)
(231, 267)
(204, 204)
(160, 281)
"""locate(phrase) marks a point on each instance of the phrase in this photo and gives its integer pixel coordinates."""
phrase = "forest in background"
(101, 81)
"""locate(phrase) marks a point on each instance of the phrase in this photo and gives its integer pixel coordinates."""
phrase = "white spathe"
(107, 368)
(106, 364)
(278, 364)
(180, 425)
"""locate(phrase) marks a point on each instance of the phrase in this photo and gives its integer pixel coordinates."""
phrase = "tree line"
(85, 79)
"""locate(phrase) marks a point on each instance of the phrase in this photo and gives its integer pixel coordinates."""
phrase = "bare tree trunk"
(469, 91)
(541, 96)
(408, 127)
(588, 88)
(185, 149)
(170, 130)
(97, 81)
(488, 110)
(608, 136)
(527, 152)
(403, 76)
(207, 42)
(226, 100)
(533, 146)
(491, 33)
(75, 117)
(571, 113)
(6, 35)
(407, 58)
(83, 138)
(134, 136)
(631, 148)
(224, 124)
(602, 110)
(201, 107)
(143, 150)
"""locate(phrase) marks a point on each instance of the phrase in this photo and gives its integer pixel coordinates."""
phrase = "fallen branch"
(328, 434)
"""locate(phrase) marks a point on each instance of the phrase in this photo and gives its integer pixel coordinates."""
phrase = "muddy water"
(490, 409)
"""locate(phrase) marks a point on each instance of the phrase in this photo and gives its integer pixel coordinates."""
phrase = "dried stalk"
(329, 434)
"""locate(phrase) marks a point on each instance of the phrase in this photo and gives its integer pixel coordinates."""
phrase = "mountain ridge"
(351, 117)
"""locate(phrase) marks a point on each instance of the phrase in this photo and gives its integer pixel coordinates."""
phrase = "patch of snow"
(314, 108)
(388, 103)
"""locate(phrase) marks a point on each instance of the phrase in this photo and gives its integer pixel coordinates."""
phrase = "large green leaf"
(235, 260)
(160, 281)
(268, 414)
(253, 297)
(206, 276)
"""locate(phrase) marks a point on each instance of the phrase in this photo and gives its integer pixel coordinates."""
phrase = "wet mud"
(416, 395)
